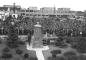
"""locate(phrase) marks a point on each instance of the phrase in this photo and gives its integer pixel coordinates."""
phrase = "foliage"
(6, 55)
(18, 51)
(26, 55)
(80, 45)
(72, 58)
(6, 50)
(57, 58)
(69, 53)
(82, 57)
(32, 58)
(56, 52)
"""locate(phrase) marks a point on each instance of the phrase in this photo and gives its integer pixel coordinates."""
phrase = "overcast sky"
(78, 5)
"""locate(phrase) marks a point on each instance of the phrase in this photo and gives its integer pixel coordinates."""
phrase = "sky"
(76, 5)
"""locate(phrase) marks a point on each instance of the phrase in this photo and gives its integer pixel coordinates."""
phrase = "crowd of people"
(57, 25)
(71, 30)
(69, 27)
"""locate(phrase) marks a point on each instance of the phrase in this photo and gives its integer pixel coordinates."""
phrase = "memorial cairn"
(37, 37)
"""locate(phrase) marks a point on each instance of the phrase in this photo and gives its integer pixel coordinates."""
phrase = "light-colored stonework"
(37, 37)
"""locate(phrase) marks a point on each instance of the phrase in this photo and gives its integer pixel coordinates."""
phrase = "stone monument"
(37, 40)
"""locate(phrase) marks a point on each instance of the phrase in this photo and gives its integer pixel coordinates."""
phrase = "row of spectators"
(55, 25)
(51, 25)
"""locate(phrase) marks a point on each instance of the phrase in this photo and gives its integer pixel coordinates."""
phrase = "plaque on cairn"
(37, 40)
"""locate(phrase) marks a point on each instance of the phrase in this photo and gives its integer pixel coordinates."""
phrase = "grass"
(13, 51)
(73, 40)
(46, 53)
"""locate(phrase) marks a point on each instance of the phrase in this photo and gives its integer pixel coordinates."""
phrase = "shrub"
(69, 53)
(32, 58)
(6, 49)
(80, 45)
(57, 58)
(21, 43)
(26, 55)
(55, 52)
(71, 58)
(51, 58)
(60, 58)
(18, 51)
(6, 55)
(0, 41)
(12, 45)
(82, 57)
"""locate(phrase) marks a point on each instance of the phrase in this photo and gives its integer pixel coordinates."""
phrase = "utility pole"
(14, 8)
(54, 10)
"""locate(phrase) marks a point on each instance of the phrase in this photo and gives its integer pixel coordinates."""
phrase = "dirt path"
(38, 51)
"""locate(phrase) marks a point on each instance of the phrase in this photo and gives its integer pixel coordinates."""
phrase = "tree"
(12, 40)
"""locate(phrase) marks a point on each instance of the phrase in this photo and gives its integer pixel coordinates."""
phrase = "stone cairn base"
(37, 43)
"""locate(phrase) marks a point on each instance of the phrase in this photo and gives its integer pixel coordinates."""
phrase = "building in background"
(30, 12)
(33, 8)
(13, 9)
(4, 12)
(46, 12)
(34, 12)
(63, 9)
(65, 12)
(7, 10)
(80, 13)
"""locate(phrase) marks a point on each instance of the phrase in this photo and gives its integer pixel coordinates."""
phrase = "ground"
(51, 48)
(33, 53)
(12, 51)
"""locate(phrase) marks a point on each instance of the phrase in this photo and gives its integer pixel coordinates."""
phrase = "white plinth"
(39, 53)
